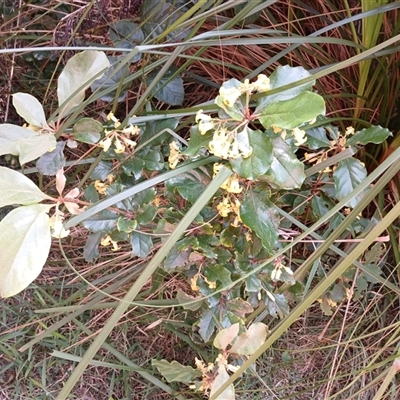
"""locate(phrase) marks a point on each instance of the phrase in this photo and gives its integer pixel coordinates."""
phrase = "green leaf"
(338, 292)
(218, 273)
(152, 159)
(52, 161)
(30, 109)
(289, 114)
(373, 134)
(197, 141)
(10, 136)
(229, 235)
(126, 225)
(147, 215)
(33, 147)
(220, 379)
(91, 249)
(16, 188)
(79, 73)
(286, 171)
(375, 254)
(155, 127)
(24, 247)
(145, 196)
(101, 171)
(257, 214)
(168, 89)
(253, 284)
(176, 372)
(189, 185)
(225, 337)
(347, 176)
(260, 160)
(104, 221)
(321, 205)
(91, 194)
(133, 167)
(248, 342)
(113, 79)
(160, 15)
(297, 289)
(207, 325)
(141, 244)
(87, 130)
(183, 298)
(278, 306)
(361, 287)
(280, 77)
(239, 307)
(316, 138)
(127, 35)
(222, 255)
(176, 259)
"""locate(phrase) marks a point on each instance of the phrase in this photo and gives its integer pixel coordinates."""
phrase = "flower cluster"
(231, 90)
(101, 187)
(231, 141)
(229, 203)
(119, 137)
(226, 144)
(174, 155)
(231, 185)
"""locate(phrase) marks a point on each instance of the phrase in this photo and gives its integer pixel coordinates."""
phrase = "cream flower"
(300, 136)
(130, 143)
(205, 126)
(111, 117)
(119, 147)
(174, 155)
(234, 150)
(246, 86)
(100, 187)
(205, 122)
(200, 116)
(216, 168)
(131, 130)
(231, 185)
(349, 131)
(221, 143)
(106, 143)
(224, 207)
(230, 95)
(107, 240)
(262, 84)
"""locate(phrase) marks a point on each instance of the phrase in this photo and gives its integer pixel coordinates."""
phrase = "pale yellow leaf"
(220, 379)
(225, 337)
(24, 247)
(16, 188)
(248, 342)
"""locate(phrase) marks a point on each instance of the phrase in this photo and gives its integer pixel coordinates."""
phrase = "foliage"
(246, 212)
